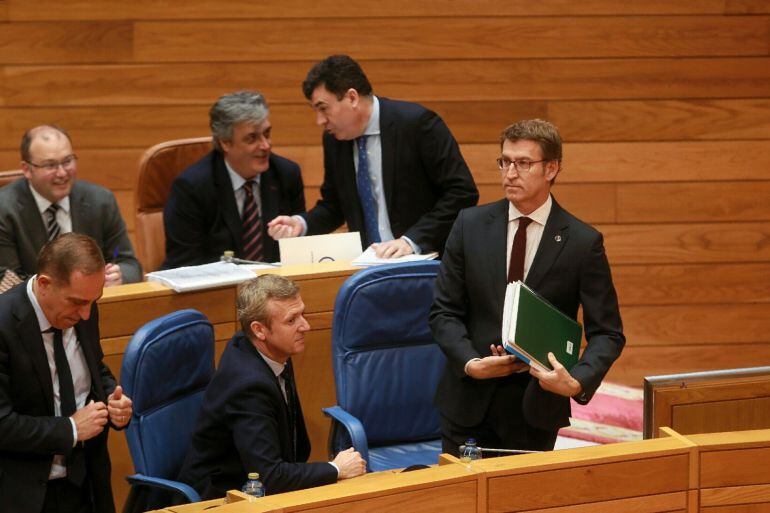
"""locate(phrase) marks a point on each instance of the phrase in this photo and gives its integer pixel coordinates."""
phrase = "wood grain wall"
(664, 106)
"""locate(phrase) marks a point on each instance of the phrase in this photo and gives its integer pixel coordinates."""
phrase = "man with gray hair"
(251, 418)
(225, 200)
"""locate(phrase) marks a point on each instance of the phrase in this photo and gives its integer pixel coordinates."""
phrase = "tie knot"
(287, 374)
(361, 142)
(524, 222)
(248, 187)
(53, 208)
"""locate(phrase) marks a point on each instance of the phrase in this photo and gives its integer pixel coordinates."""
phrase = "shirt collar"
(539, 215)
(43, 204)
(42, 320)
(276, 367)
(236, 179)
(373, 126)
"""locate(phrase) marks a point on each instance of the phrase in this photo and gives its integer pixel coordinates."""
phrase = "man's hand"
(349, 463)
(558, 380)
(496, 366)
(283, 227)
(90, 420)
(112, 275)
(392, 249)
(119, 407)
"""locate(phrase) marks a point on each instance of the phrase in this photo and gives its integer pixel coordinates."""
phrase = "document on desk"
(533, 327)
(368, 258)
(196, 277)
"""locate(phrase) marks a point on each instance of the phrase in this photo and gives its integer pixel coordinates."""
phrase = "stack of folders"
(533, 327)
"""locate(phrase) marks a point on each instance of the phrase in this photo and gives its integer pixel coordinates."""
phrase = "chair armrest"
(164, 484)
(354, 428)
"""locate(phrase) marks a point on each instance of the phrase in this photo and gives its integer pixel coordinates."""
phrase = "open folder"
(533, 327)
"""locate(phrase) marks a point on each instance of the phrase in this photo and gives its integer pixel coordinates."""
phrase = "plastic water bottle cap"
(253, 475)
(470, 441)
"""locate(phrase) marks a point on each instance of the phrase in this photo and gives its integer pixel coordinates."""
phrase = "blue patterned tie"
(365, 193)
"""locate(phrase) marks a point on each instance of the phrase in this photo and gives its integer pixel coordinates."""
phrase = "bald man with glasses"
(49, 201)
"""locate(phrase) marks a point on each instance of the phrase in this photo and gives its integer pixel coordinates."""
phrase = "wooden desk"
(708, 473)
(124, 309)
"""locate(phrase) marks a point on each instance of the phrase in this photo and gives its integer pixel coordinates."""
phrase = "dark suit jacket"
(94, 212)
(570, 269)
(30, 434)
(426, 179)
(201, 216)
(243, 427)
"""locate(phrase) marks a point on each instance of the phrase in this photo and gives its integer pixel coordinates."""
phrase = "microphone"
(228, 257)
(499, 451)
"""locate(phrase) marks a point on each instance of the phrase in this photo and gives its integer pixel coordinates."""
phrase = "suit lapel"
(347, 168)
(555, 235)
(389, 151)
(93, 366)
(494, 240)
(29, 330)
(226, 198)
(33, 221)
(269, 193)
(79, 209)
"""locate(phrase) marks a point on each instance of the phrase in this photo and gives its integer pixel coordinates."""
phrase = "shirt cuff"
(415, 248)
(74, 432)
(304, 225)
(335, 468)
(465, 369)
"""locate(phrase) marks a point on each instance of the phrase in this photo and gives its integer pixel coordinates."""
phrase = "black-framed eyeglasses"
(521, 166)
(68, 163)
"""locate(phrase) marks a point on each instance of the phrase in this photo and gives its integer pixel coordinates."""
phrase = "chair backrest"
(166, 367)
(386, 362)
(7, 177)
(158, 168)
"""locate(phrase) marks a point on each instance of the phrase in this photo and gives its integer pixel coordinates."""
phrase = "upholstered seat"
(159, 166)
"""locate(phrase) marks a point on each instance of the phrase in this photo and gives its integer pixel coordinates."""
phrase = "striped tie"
(50, 222)
(252, 225)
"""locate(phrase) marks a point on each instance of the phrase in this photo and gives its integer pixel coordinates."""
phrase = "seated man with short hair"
(251, 419)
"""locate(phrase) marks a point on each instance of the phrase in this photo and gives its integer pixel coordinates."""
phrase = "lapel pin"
(557, 238)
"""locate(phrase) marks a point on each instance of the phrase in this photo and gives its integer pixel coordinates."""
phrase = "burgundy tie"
(252, 226)
(518, 248)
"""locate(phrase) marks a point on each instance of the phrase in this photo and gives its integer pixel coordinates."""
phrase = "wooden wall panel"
(80, 41)
(208, 9)
(428, 38)
(433, 80)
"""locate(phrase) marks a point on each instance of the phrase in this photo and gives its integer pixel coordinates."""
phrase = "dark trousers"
(503, 427)
(62, 496)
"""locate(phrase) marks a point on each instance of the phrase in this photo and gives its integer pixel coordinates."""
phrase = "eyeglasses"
(521, 166)
(68, 164)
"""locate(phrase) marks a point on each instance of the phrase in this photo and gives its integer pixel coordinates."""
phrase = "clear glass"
(470, 451)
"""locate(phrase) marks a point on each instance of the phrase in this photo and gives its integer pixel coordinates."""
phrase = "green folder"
(533, 327)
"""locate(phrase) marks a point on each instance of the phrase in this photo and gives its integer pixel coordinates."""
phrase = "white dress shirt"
(63, 215)
(81, 378)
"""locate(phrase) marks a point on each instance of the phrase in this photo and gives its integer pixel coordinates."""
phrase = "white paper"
(205, 276)
(368, 258)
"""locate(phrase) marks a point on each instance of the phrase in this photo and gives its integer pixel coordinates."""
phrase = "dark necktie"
(51, 225)
(291, 406)
(518, 249)
(365, 194)
(76, 468)
(66, 388)
(252, 225)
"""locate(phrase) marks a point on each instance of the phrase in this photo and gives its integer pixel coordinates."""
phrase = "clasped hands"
(500, 364)
(91, 418)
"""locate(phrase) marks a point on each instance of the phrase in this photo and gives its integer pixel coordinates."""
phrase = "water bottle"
(471, 451)
(253, 487)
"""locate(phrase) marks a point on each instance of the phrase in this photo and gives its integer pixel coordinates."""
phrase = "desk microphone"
(228, 257)
(499, 451)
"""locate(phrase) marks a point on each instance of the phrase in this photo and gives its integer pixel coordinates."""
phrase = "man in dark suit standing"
(251, 418)
(49, 201)
(225, 200)
(56, 394)
(392, 169)
(484, 393)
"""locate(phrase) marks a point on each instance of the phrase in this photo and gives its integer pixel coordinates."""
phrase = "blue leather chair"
(386, 367)
(166, 367)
